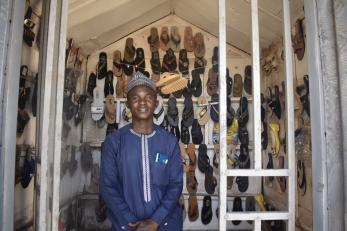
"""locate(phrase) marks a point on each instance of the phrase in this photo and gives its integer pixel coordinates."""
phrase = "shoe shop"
(236, 108)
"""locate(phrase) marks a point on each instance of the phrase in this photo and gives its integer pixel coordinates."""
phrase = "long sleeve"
(110, 187)
(174, 188)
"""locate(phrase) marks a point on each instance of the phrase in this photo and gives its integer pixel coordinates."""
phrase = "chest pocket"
(160, 174)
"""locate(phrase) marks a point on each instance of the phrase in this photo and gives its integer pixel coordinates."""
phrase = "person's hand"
(147, 225)
(133, 225)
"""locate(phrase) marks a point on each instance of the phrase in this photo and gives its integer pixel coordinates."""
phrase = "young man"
(141, 175)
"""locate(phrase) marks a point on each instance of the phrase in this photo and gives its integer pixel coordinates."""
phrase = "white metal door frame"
(257, 171)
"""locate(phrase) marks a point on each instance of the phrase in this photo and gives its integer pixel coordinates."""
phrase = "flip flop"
(212, 82)
(237, 207)
(175, 39)
(120, 86)
(197, 136)
(248, 80)
(172, 112)
(139, 62)
(155, 63)
(299, 41)
(158, 114)
(242, 183)
(238, 85)
(188, 112)
(185, 135)
(210, 180)
(202, 111)
(193, 209)
(110, 110)
(192, 157)
(276, 146)
(206, 211)
(229, 82)
(199, 45)
(102, 65)
(242, 112)
(108, 86)
(129, 54)
(164, 38)
(281, 179)
(169, 62)
(270, 165)
(196, 84)
(22, 120)
(185, 157)
(214, 110)
(188, 39)
(203, 159)
(153, 40)
(200, 64)
(215, 60)
(191, 183)
(117, 63)
(243, 136)
(91, 84)
(250, 206)
(183, 65)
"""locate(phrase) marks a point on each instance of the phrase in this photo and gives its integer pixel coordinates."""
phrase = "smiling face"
(142, 102)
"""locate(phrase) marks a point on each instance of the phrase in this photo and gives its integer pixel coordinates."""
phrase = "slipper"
(187, 91)
(169, 62)
(172, 111)
(22, 120)
(238, 85)
(281, 179)
(164, 38)
(250, 206)
(270, 165)
(192, 157)
(102, 65)
(200, 64)
(86, 157)
(191, 182)
(197, 136)
(27, 172)
(81, 111)
(188, 39)
(129, 54)
(155, 63)
(193, 209)
(299, 41)
(182, 206)
(243, 159)
(203, 159)
(166, 78)
(117, 63)
(185, 158)
(178, 85)
(264, 136)
(196, 84)
(199, 45)
(139, 62)
(215, 60)
(97, 107)
(274, 102)
(242, 183)
(158, 114)
(237, 207)
(183, 65)
(247, 84)
(242, 112)
(185, 135)
(91, 83)
(229, 82)
(206, 211)
(108, 86)
(153, 40)
(120, 86)
(243, 135)
(210, 180)
(110, 110)
(212, 82)
(175, 39)
(276, 146)
(202, 113)
(188, 112)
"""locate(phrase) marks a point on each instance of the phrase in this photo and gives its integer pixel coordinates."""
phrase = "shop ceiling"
(95, 24)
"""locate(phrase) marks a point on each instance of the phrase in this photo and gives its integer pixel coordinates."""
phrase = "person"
(141, 176)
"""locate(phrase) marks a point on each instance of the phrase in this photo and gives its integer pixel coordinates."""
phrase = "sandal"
(247, 84)
(203, 159)
(193, 209)
(276, 146)
(139, 62)
(212, 82)
(185, 158)
(199, 45)
(183, 65)
(191, 183)
(210, 180)
(196, 84)
(197, 136)
(155, 63)
(281, 180)
(117, 63)
(169, 62)
(237, 207)
(153, 40)
(108, 86)
(206, 211)
(175, 39)
(164, 38)
(202, 112)
(238, 85)
(188, 112)
(102, 65)
(188, 39)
